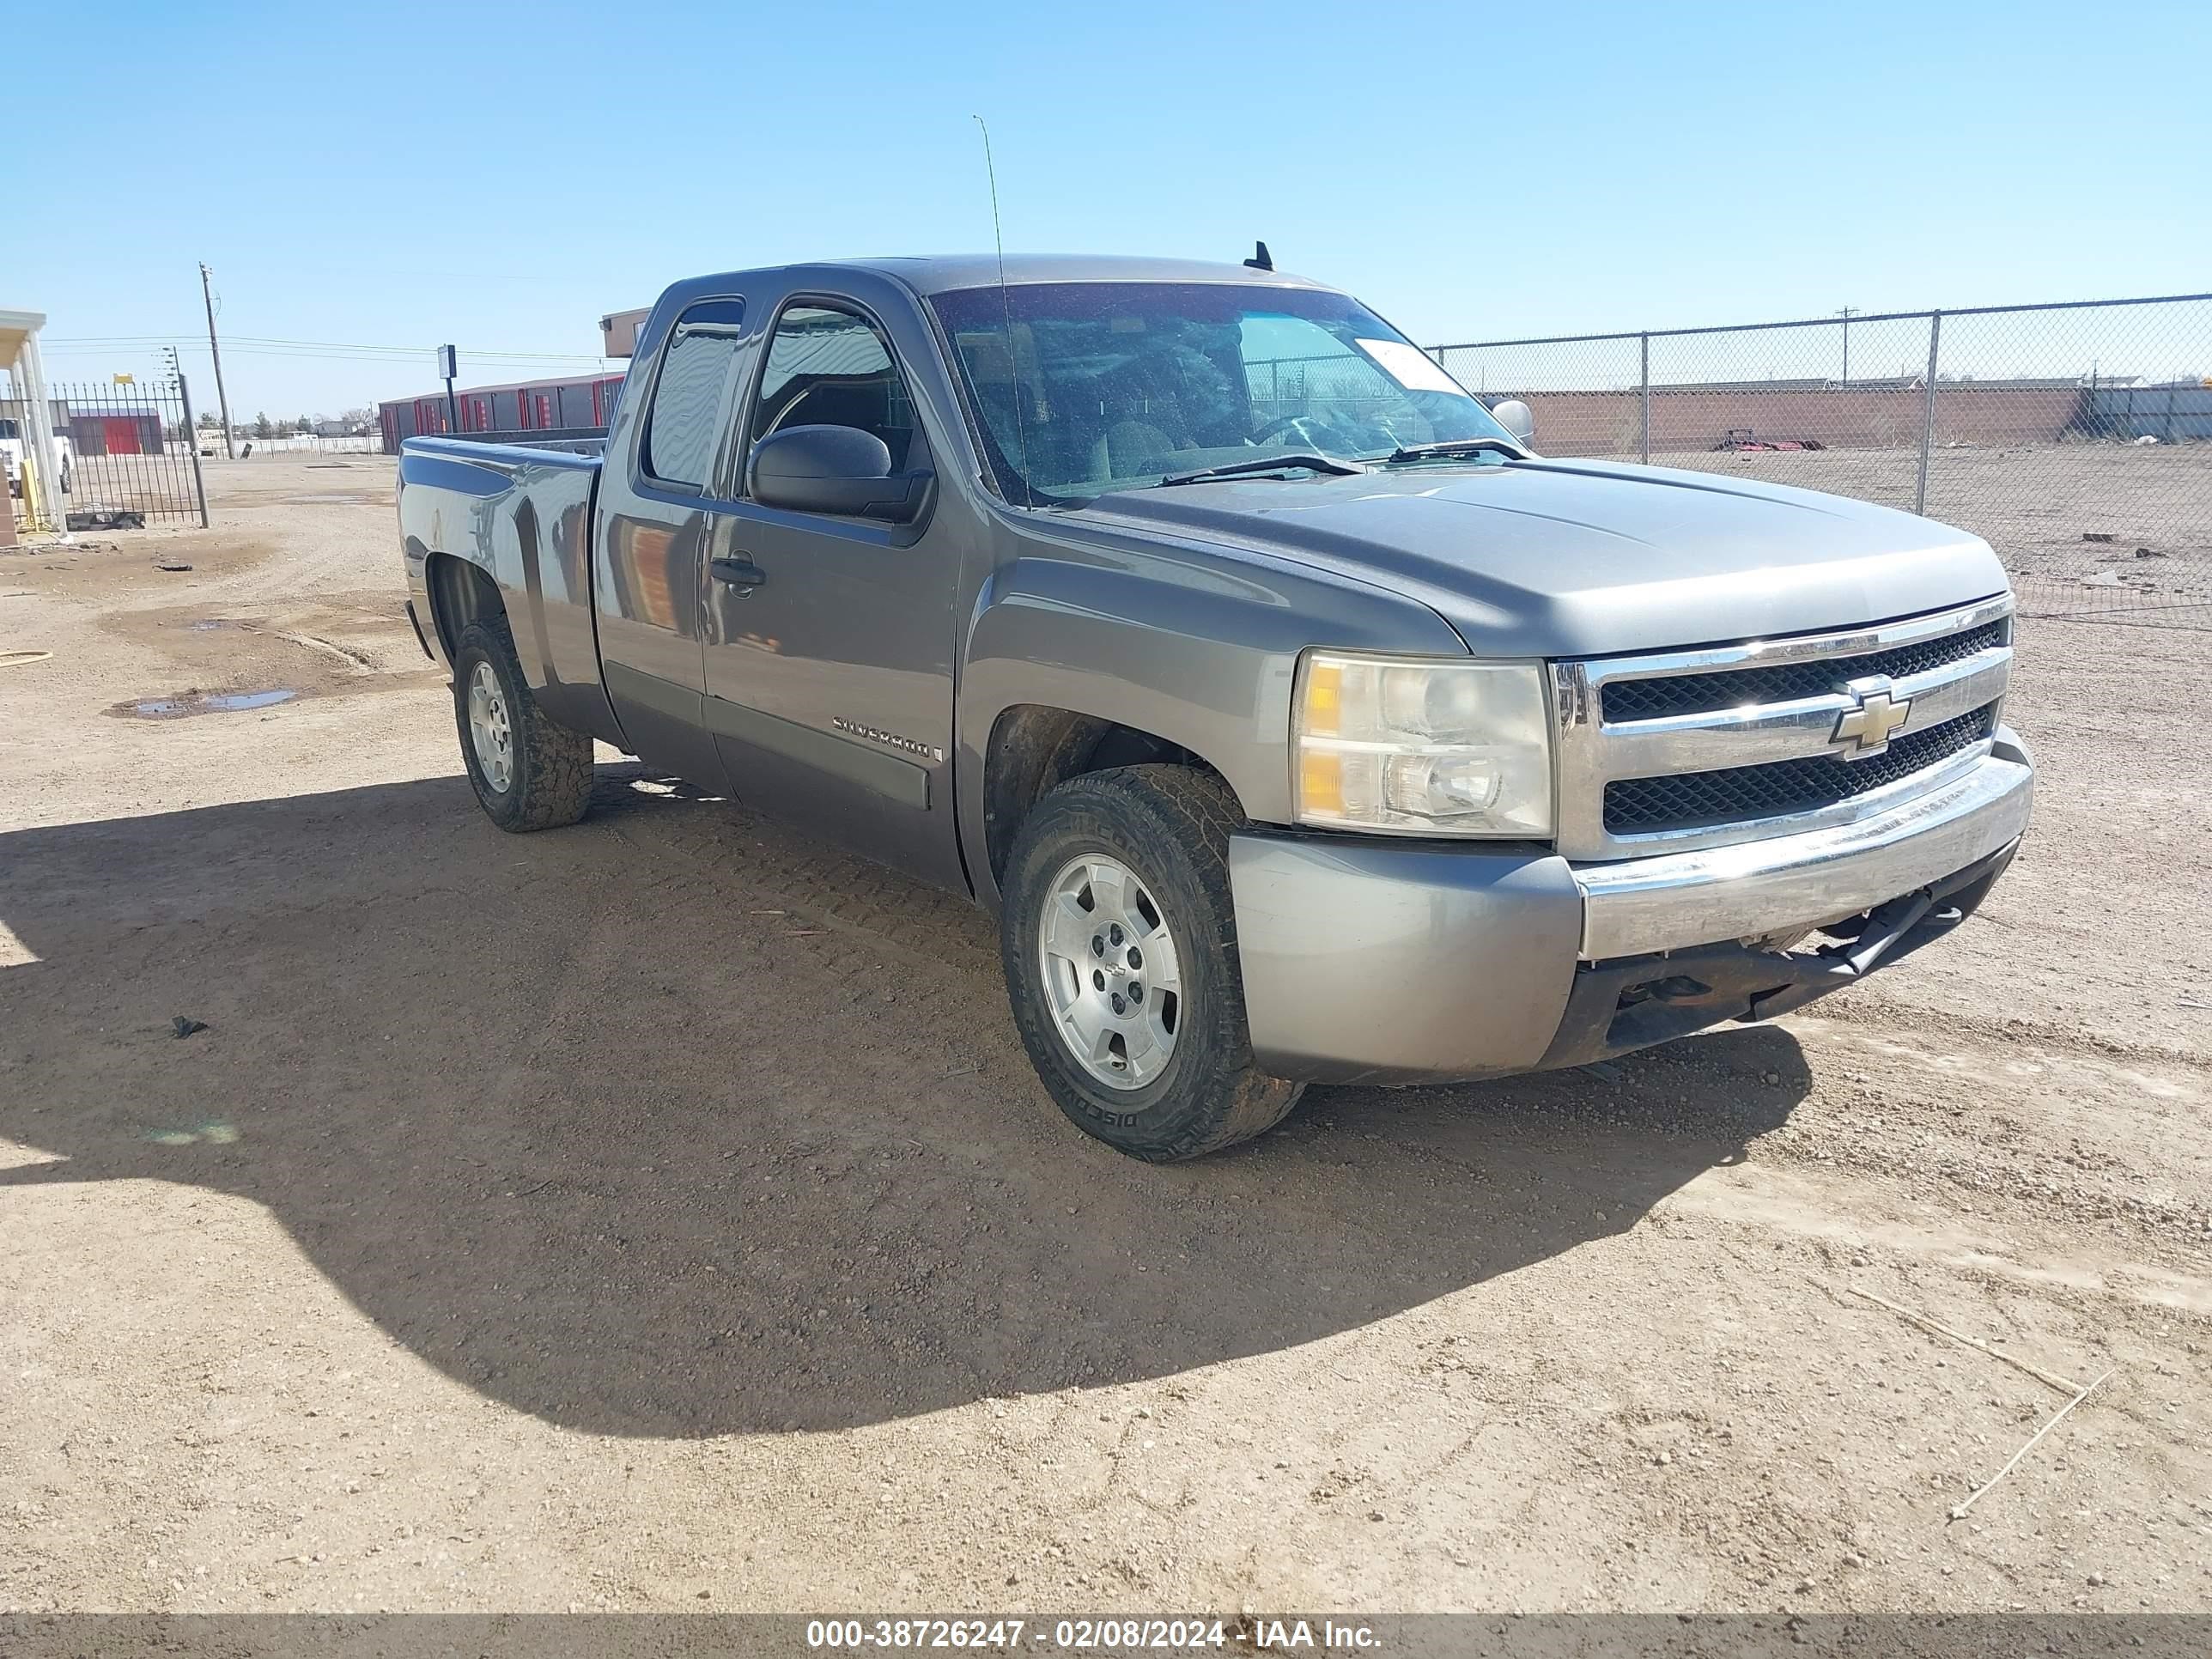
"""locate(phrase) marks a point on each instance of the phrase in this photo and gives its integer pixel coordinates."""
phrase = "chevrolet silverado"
(1297, 719)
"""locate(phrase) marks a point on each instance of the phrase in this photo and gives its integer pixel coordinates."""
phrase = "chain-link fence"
(2077, 438)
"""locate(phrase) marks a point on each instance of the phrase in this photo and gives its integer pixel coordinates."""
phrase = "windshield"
(1085, 387)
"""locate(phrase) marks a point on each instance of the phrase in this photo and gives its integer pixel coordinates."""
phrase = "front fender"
(1200, 653)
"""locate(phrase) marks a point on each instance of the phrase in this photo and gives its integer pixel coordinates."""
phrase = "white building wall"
(35, 411)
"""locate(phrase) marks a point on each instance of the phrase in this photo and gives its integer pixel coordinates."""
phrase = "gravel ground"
(661, 1214)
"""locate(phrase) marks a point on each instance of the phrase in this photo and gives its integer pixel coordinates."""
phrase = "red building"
(571, 407)
(116, 429)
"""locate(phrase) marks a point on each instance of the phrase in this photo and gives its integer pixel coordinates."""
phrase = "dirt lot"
(660, 1213)
(2148, 510)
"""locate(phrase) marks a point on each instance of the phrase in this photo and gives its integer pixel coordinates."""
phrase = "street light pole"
(222, 401)
(1847, 313)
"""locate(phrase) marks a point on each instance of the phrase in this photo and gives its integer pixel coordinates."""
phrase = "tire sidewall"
(479, 644)
(1168, 1118)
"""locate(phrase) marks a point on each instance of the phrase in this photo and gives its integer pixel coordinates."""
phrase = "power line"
(581, 365)
(342, 345)
(279, 346)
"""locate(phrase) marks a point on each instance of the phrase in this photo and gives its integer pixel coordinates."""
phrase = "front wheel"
(529, 771)
(1119, 942)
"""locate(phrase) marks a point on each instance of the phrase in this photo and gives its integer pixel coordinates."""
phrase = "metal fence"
(126, 454)
(2076, 438)
(251, 447)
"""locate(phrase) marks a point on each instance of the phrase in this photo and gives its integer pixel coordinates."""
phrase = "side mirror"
(1513, 415)
(838, 469)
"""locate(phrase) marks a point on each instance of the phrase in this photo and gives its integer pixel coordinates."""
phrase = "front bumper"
(1366, 960)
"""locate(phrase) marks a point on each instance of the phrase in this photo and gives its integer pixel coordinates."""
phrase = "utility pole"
(191, 432)
(1847, 313)
(222, 401)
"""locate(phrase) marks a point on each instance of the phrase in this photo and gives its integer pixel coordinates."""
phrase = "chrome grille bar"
(1593, 751)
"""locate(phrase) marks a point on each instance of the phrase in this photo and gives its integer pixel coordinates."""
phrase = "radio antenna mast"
(1007, 309)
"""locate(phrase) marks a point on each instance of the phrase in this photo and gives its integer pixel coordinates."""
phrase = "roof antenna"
(1006, 308)
(1260, 259)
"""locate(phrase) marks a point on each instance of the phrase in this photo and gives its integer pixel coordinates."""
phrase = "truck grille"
(1641, 806)
(1696, 693)
(1686, 750)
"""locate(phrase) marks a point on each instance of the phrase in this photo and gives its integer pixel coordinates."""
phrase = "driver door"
(830, 640)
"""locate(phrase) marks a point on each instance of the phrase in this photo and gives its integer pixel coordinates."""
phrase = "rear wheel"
(529, 771)
(1119, 942)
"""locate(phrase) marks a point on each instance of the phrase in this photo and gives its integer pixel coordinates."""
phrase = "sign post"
(447, 368)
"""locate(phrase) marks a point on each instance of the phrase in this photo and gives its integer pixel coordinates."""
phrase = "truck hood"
(1571, 558)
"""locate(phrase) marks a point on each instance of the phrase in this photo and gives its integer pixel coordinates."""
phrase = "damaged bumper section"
(1632, 1002)
(1407, 963)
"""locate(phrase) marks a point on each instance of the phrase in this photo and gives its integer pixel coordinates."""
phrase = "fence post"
(1927, 410)
(1644, 401)
(193, 448)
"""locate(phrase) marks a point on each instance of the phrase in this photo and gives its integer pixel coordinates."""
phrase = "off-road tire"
(551, 784)
(1170, 825)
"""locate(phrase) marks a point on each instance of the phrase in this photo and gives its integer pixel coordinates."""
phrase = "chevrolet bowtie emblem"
(1867, 729)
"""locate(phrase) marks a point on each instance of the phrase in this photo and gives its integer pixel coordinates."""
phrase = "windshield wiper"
(1456, 447)
(1307, 462)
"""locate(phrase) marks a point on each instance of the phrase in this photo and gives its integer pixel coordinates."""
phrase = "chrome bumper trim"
(1673, 901)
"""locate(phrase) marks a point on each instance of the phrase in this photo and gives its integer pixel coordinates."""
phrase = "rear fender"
(522, 518)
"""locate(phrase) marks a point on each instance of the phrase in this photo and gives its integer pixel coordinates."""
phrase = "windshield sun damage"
(1087, 387)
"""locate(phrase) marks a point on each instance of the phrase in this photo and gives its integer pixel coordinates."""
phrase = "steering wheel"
(1308, 430)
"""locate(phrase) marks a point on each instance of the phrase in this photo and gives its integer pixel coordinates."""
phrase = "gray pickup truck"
(1299, 721)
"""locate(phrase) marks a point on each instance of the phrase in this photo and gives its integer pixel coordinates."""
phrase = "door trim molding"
(650, 691)
(875, 769)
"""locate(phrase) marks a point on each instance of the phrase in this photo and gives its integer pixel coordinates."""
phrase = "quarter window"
(681, 432)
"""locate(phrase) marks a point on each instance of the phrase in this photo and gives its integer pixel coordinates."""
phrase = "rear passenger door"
(658, 508)
(829, 676)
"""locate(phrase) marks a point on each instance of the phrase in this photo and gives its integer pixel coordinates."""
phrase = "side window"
(681, 435)
(830, 368)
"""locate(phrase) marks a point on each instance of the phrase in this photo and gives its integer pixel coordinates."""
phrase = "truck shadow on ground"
(674, 1124)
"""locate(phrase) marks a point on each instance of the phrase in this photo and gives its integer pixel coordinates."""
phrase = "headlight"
(1412, 747)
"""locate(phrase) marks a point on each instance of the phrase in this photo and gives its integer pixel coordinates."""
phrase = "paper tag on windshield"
(1411, 366)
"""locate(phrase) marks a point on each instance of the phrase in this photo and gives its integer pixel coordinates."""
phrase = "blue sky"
(500, 175)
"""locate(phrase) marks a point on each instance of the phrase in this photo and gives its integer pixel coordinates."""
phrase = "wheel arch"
(461, 591)
(1034, 747)
(1091, 650)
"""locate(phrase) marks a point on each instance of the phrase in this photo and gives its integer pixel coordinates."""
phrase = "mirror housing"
(1515, 417)
(838, 469)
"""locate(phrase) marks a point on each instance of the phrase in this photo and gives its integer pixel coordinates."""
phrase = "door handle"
(738, 572)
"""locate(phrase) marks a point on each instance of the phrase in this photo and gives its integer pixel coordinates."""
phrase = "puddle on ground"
(208, 624)
(200, 702)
